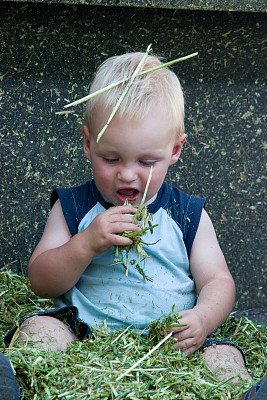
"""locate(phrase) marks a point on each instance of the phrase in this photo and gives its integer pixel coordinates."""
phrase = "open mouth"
(130, 194)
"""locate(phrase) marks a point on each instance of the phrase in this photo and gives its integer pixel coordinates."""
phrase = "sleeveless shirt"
(104, 292)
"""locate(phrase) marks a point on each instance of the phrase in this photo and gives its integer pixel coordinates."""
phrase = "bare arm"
(215, 287)
(214, 283)
(59, 258)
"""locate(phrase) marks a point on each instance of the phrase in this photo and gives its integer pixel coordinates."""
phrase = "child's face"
(122, 158)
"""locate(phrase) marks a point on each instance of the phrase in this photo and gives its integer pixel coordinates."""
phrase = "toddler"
(74, 260)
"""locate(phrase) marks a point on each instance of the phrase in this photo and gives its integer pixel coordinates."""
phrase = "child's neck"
(151, 200)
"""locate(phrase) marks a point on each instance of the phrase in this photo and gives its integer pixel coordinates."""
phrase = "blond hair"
(158, 87)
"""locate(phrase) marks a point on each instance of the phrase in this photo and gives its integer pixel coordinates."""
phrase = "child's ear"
(177, 148)
(86, 142)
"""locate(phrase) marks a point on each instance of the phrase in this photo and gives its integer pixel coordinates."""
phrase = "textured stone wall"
(48, 56)
(211, 5)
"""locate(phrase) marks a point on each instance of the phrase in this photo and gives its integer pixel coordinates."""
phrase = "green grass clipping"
(95, 368)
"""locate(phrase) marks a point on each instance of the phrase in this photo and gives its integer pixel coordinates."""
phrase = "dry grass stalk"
(145, 356)
(112, 85)
(89, 369)
(125, 91)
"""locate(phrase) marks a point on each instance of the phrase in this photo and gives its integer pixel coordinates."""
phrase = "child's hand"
(192, 336)
(104, 229)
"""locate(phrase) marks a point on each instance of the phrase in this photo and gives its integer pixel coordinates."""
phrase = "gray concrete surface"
(48, 56)
(208, 5)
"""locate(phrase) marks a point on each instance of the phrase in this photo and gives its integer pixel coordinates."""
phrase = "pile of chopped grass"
(93, 369)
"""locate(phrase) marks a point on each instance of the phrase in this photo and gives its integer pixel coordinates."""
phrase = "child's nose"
(127, 174)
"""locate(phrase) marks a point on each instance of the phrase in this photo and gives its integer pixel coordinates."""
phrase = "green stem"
(125, 91)
(144, 196)
(112, 85)
(139, 233)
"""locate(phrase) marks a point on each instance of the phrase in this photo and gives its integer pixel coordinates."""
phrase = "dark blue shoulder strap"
(193, 207)
(185, 210)
(75, 203)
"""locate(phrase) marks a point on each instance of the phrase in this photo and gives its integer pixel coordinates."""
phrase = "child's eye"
(110, 160)
(147, 163)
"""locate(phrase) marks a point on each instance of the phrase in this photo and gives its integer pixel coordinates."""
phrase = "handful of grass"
(162, 325)
(145, 224)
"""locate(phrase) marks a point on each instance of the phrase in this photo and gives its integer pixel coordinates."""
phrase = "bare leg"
(45, 332)
(225, 362)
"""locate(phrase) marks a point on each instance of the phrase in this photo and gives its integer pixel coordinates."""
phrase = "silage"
(95, 368)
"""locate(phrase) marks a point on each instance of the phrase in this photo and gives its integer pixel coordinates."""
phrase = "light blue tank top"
(104, 292)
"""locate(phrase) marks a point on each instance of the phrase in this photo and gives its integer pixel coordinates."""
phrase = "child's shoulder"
(175, 200)
(184, 209)
(75, 202)
(77, 193)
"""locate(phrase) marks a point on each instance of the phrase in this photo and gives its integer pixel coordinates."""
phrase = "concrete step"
(204, 5)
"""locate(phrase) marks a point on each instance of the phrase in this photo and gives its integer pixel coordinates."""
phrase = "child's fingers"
(177, 329)
(120, 227)
(122, 241)
(123, 210)
(115, 222)
(190, 350)
(126, 218)
(188, 345)
(123, 218)
(118, 214)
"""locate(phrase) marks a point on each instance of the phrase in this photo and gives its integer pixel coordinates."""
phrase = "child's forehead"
(101, 115)
(153, 131)
(132, 124)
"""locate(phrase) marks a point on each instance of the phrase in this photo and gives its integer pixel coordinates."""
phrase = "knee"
(226, 361)
(45, 332)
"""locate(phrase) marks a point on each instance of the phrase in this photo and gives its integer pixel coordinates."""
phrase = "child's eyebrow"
(152, 155)
(148, 157)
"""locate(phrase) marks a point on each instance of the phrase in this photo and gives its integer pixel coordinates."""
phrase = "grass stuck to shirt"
(93, 369)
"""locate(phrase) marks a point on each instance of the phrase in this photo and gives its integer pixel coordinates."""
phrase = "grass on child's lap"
(89, 369)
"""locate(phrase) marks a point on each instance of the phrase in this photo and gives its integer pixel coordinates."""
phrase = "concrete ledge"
(204, 5)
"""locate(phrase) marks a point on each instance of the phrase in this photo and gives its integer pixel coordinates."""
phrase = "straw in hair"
(146, 90)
